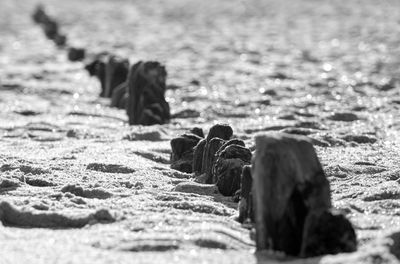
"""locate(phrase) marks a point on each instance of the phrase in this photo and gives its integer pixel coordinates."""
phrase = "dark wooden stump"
(327, 232)
(209, 158)
(182, 152)
(227, 169)
(289, 184)
(221, 131)
(119, 97)
(60, 40)
(116, 72)
(76, 54)
(146, 86)
(233, 141)
(39, 15)
(50, 28)
(97, 68)
(198, 156)
(245, 207)
(197, 131)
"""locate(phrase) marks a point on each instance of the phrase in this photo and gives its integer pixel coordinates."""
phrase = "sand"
(78, 185)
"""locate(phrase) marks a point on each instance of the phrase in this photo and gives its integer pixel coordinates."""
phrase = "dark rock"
(119, 97)
(76, 54)
(222, 131)
(227, 169)
(198, 156)
(245, 207)
(116, 72)
(289, 184)
(146, 88)
(327, 232)
(182, 152)
(209, 158)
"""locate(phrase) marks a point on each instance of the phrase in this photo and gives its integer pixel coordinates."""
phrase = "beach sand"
(78, 185)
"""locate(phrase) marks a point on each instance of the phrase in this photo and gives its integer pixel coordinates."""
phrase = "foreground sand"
(64, 152)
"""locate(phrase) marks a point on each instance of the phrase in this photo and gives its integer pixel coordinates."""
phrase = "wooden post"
(289, 183)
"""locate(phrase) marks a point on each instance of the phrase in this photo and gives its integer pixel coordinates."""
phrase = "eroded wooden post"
(146, 87)
(289, 187)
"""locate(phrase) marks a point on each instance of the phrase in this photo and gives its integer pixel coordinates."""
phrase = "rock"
(209, 158)
(289, 184)
(119, 97)
(182, 152)
(76, 54)
(222, 131)
(227, 169)
(245, 207)
(198, 156)
(116, 72)
(327, 232)
(146, 89)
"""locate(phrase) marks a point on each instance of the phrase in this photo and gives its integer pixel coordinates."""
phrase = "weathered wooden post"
(290, 191)
(116, 72)
(119, 97)
(76, 54)
(222, 132)
(245, 206)
(228, 168)
(182, 152)
(147, 86)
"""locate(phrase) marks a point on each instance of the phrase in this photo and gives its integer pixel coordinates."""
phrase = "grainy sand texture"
(79, 185)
